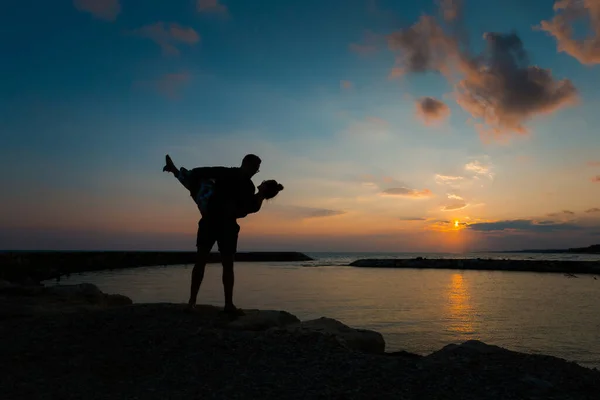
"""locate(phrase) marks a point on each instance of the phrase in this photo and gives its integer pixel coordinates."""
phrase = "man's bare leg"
(198, 276)
(228, 283)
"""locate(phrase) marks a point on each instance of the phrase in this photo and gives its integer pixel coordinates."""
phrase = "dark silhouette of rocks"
(572, 267)
(593, 249)
(29, 267)
(158, 351)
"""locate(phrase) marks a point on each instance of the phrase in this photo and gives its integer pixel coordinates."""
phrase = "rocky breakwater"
(28, 267)
(158, 351)
(568, 267)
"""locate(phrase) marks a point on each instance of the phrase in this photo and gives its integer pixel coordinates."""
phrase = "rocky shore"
(38, 266)
(566, 267)
(75, 342)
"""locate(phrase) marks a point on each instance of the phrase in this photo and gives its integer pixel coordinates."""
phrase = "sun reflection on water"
(460, 311)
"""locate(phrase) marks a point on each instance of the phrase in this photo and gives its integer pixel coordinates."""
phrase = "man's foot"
(230, 309)
(169, 165)
(191, 306)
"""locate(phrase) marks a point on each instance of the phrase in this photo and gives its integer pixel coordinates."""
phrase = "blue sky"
(96, 92)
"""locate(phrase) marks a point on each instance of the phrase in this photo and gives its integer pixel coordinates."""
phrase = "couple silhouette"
(223, 195)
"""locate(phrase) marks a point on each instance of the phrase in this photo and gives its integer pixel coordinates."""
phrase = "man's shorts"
(225, 233)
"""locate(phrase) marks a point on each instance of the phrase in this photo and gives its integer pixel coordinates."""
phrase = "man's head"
(251, 164)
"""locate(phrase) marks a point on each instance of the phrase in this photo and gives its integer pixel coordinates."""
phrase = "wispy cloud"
(498, 87)
(107, 10)
(480, 168)
(593, 210)
(458, 205)
(453, 196)
(596, 179)
(593, 163)
(168, 36)
(432, 111)
(448, 179)
(561, 213)
(525, 225)
(568, 12)
(412, 219)
(408, 193)
(303, 212)
(211, 6)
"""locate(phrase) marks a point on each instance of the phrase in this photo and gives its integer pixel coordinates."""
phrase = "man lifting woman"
(222, 194)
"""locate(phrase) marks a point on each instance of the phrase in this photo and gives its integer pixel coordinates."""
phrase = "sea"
(419, 311)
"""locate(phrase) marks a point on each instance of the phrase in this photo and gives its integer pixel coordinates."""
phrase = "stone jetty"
(566, 267)
(42, 265)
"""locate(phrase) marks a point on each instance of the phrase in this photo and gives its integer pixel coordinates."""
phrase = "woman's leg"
(181, 174)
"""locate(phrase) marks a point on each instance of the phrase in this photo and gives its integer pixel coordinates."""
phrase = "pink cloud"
(568, 12)
(432, 111)
(168, 36)
(593, 164)
(596, 179)
(102, 9)
(211, 6)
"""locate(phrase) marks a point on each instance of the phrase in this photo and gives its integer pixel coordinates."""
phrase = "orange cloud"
(596, 179)
(211, 6)
(107, 10)
(587, 50)
(407, 192)
(498, 88)
(168, 36)
(346, 85)
(432, 111)
(455, 206)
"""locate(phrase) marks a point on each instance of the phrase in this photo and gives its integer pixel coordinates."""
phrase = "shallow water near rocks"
(416, 310)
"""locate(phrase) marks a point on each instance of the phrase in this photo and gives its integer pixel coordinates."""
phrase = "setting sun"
(456, 224)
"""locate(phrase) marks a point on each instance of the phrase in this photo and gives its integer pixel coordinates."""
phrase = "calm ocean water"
(416, 310)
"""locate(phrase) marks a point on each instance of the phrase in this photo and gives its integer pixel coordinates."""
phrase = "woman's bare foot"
(169, 165)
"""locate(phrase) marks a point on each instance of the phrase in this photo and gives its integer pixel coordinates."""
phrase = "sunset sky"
(393, 125)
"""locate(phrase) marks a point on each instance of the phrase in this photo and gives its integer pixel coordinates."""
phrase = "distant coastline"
(593, 249)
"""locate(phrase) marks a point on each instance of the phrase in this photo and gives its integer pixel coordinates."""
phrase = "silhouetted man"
(233, 197)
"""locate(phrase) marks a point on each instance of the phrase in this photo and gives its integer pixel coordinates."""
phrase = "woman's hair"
(271, 188)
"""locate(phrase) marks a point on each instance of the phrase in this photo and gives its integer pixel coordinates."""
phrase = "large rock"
(86, 291)
(357, 339)
(260, 320)
(26, 300)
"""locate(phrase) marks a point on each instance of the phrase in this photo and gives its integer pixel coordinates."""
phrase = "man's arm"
(201, 173)
(255, 203)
